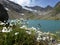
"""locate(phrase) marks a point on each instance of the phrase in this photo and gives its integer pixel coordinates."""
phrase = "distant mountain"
(40, 8)
(17, 11)
(58, 4)
(35, 8)
(57, 8)
(47, 12)
(48, 8)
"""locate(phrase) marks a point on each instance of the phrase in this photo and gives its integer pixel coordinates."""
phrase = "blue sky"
(42, 3)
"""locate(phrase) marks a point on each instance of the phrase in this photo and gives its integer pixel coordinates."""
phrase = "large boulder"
(3, 14)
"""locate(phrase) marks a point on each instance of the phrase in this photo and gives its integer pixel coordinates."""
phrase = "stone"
(3, 14)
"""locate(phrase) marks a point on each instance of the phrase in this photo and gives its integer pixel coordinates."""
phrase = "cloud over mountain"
(42, 3)
(22, 2)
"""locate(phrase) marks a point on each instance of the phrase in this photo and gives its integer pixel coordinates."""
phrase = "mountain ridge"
(40, 8)
(17, 10)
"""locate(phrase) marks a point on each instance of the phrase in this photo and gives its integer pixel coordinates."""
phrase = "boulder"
(3, 14)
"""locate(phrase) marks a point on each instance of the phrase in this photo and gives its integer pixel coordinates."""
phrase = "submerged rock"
(3, 14)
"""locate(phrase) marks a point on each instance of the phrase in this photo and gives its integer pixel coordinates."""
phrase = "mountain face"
(13, 6)
(48, 8)
(16, 11)
(47, 12)
(57, 5)
(35, 8)
(40, 8)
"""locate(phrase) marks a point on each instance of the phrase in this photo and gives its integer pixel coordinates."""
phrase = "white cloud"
(22, 2)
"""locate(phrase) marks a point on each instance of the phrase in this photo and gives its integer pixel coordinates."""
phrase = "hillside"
(48, 12)
(16, 11)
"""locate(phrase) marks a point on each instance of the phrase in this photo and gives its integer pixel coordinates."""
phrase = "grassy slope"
(21, 39)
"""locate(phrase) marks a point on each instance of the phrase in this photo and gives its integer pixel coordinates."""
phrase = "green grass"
(20, 39)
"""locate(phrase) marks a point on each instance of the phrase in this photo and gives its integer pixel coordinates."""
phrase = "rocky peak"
(35, 7)
(57, 5)
(48, 8)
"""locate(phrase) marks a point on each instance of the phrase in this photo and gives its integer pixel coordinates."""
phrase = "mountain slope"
(48, 12)
(38, 8)
(16, 11)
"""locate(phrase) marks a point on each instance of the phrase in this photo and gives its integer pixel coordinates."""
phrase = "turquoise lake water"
(45, 25)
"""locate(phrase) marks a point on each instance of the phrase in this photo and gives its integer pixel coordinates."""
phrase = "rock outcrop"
(3, 14)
